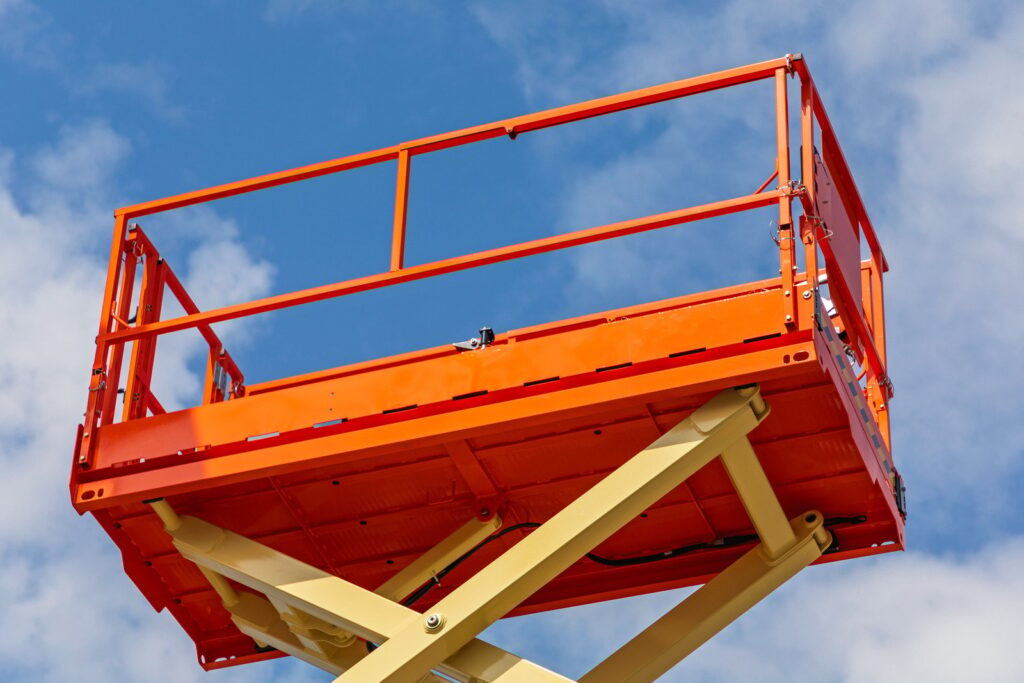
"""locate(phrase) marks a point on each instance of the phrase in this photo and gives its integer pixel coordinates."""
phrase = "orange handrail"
(115, 334)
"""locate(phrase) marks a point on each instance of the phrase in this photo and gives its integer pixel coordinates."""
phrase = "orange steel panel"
(360, 469)
(843, 234)
(445, 374)
(628, 345)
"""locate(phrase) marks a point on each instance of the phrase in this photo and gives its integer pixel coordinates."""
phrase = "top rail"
(511, 127)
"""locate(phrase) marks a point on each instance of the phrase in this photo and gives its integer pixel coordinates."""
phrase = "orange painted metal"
(787, 244)
(359, 469)
(401, 209)
(513, 126)
(452, 265)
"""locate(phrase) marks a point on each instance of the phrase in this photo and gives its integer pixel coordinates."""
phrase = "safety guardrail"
(832, 219)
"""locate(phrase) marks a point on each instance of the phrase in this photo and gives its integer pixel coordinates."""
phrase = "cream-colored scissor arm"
(327, 621)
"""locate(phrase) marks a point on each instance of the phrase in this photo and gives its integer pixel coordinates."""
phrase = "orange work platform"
(359, 470)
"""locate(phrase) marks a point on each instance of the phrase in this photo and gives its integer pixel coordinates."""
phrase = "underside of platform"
(362, 494)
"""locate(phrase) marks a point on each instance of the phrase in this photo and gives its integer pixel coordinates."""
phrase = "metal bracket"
(819, 222)
(485, 339)
(794, 188)
(775, 233)
(790, 58)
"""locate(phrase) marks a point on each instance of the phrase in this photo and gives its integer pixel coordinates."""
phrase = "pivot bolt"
(434, 622)
(807, 294)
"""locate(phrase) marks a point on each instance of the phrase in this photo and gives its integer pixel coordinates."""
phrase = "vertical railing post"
(98, 378)
(119, 318)
(878, 390)
(212, 385)
(787, 249)
(138, 386)
(401, 210)
(809, 221)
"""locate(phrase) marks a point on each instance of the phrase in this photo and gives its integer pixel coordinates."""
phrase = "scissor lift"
(373, 519)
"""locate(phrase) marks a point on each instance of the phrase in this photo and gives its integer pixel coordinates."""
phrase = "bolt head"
(807, 294)
(434, 622)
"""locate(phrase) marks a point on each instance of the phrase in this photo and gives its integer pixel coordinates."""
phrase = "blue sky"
(105, 107)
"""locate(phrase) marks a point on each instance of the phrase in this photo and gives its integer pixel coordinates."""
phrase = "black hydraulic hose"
(725, 542)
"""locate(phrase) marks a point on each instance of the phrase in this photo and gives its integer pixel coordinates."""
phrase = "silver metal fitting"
(434, 622)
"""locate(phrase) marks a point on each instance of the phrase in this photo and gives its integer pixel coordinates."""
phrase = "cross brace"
(323, 619)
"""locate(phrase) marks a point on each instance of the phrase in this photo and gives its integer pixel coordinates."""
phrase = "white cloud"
(30, 37)
(954, 238)
(559, 60)
(26, 35)
(147, 80)
(219, 271)
(82, 161)
(898, 618)
(68, 609)
(908, 617)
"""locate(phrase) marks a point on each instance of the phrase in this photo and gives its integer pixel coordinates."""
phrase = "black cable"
(725, 542)
(425, 588)
(836, 521)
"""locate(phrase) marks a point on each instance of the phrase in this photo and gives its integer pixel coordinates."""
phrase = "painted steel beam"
(343, 606)
(711, 608)
(427, 565)
(758, 497)
(419, 645)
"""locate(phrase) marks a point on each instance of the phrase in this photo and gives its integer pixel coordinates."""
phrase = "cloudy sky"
(103, 108)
